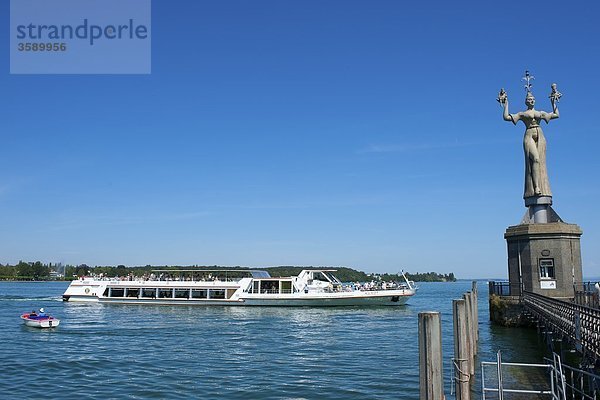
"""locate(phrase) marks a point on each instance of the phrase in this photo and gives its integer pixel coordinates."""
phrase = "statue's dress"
(534, 138)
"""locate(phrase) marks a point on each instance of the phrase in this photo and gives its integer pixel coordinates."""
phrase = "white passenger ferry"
(314, 287)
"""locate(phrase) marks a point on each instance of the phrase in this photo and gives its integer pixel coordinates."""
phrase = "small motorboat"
(40, 320)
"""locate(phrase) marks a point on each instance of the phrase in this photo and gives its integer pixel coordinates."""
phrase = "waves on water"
(171, 352)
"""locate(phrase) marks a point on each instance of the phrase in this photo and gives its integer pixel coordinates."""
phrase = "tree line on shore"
(40, 271)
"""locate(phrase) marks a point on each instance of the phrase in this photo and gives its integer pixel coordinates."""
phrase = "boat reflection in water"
(312, 287)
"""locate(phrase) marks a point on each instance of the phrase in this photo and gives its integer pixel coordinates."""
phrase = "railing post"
(431, 381)
(461, 350)
(500, 383)
(577, 323)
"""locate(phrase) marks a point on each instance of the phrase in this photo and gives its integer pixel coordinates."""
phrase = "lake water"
(167, 352)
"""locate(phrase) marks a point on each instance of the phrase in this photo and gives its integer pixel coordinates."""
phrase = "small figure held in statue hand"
(502, 97)
(555, 95)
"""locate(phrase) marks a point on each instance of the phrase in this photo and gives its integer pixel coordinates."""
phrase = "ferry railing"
(271, 291)
(575, 322)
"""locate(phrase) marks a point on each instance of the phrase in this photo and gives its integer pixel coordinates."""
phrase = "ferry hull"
(300, 300)
(288, 301)
(329, 301)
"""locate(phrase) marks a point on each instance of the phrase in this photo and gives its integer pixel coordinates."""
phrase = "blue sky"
(338, 133)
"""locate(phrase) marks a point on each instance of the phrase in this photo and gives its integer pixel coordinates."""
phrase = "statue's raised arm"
(554, 97)
(503, 100)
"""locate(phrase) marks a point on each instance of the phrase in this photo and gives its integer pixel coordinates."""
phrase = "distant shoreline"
(37, 271)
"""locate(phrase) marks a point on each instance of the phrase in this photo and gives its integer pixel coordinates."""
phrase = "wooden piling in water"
(461, 368)
(431, 381)
(469, 332)
(476, 312)
(473, 306)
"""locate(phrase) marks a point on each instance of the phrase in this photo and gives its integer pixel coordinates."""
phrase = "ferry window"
(321, 277)
(256, 287)
(151, 293)
(199, 294)
(331, 277)
(117, 292)
(269, 287)
(547, 268)
(133, 292)
(286, 287)
(105, 292)
(165, 293)
(217, 293)
(182, 293)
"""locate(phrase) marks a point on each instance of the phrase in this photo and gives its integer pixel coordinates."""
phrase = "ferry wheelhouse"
(237, 287)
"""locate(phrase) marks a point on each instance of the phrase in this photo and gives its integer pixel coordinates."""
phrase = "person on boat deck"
(32, 313)
(42, 313)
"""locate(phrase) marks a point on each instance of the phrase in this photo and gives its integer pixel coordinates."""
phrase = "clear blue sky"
(338, 133)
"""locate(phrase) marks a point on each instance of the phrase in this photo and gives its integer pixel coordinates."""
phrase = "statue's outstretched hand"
(502, 97)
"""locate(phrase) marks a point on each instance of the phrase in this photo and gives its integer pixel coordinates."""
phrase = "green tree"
(8, 272)
(34, 270)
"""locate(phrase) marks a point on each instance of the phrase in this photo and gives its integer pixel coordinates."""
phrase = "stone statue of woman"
(534, 143)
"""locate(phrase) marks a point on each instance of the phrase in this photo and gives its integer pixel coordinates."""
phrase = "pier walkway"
(577, 323)
(573, 322)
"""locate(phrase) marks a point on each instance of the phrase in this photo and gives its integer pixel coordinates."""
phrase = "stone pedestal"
(544, 258)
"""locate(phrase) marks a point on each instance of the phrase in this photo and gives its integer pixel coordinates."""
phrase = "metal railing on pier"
(503, 380)
(580, 384)
(553, 380)
(579, 324)
(500, 288)
(587, 294)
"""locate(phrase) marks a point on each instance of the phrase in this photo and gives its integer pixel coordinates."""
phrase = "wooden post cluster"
(431, 381)
(466, 336)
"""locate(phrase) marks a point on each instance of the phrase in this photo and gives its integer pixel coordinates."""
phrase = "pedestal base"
(538, 201)
(544, 258)
(539, 211)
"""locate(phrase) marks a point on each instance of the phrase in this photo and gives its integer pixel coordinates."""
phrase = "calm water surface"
(163, 352)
